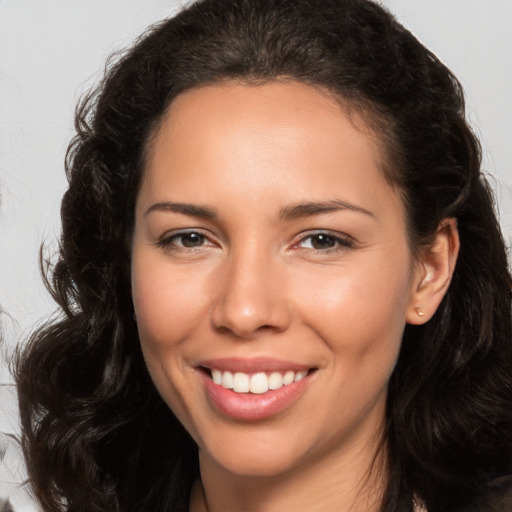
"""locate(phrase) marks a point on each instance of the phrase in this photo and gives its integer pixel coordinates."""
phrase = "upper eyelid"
(342, 237)
(343, 243)
(335, 234)
(184, 231)
(168, 235)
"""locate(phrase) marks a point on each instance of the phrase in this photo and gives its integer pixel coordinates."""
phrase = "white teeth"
(227, 380)
(300, 376)
(257, 383)
(275, 380)
(241, 383)
(288, 377)
(217, 376)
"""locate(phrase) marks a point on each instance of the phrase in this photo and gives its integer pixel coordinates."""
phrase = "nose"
(252, 298)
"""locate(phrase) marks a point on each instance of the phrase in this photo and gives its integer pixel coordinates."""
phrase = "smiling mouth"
(257, 383)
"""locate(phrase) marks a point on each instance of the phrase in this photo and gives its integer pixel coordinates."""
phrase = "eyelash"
(341, 244)
(168, 242)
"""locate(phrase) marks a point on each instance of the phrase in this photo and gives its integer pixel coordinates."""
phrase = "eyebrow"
(192, 210)
(309, 209)
(290, 212)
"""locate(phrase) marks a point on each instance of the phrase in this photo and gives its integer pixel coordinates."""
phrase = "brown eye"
(322, 241)
(190, 239)
(325, 242)
(184, 240)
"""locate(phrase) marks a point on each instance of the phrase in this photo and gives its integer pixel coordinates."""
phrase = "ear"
(433, 273)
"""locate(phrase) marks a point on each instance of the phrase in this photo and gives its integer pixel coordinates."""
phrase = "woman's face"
(270, 252)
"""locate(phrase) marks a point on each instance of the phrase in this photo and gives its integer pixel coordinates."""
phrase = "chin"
(261, 457)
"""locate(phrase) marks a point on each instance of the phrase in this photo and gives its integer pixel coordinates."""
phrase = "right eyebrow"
(192, 210)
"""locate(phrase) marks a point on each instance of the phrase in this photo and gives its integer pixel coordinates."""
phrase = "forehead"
(287, 139)
(274, 102)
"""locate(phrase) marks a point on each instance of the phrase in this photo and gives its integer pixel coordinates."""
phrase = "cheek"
(166, 301)
(362, 329)
(167, 308)
(359, 313)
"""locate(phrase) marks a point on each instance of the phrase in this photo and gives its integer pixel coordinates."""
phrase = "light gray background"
(53, 50)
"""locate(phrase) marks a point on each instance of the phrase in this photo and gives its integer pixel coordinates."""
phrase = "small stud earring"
(419, 312)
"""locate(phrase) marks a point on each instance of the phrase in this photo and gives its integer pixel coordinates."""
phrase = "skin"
(258, 282)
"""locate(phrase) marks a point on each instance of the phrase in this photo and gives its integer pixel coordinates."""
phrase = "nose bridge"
(252, 294)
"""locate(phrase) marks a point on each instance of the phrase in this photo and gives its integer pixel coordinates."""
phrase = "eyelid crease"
(327, 232)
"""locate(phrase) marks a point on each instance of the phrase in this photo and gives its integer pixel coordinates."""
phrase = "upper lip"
(253, 365)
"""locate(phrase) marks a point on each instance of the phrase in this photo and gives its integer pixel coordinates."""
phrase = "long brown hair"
(96, 435)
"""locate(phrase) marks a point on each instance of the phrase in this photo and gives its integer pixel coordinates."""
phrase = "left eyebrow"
(308, 209)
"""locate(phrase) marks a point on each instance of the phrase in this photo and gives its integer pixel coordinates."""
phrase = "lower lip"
(250, 406)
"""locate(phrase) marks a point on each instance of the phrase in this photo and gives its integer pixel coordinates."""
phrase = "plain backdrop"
(51, 51)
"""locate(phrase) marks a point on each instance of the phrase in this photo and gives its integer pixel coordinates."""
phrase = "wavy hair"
(96, 434)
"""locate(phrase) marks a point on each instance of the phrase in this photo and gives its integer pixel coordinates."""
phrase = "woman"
(283, 282)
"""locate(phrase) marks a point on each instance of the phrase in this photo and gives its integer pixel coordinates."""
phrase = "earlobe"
(433, 273)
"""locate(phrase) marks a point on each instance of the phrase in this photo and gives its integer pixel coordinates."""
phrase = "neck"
(355, 482)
